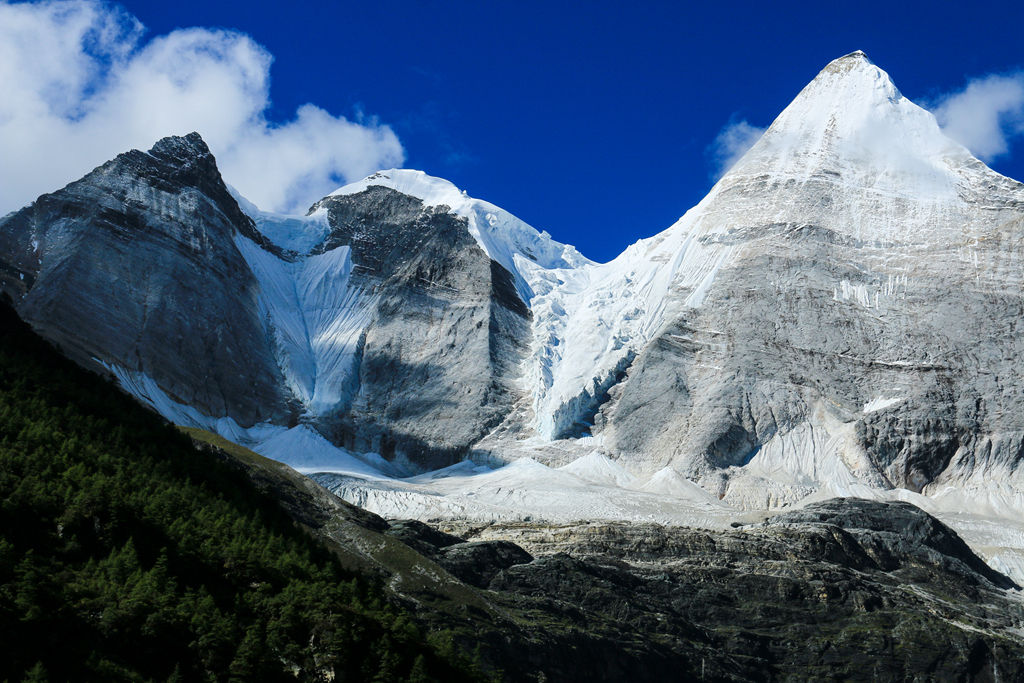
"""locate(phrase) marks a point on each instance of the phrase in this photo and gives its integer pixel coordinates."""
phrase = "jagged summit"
(849, 61)
(856, 54)
(514, 244)
(180, 147)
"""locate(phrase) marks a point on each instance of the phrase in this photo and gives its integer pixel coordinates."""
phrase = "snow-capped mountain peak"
(514, 244)
(839, 314)
(852, 123)
(432, 190)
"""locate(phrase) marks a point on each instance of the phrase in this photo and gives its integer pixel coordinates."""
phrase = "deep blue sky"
(592, 120)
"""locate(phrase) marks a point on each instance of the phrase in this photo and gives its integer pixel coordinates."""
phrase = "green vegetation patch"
(126, 554)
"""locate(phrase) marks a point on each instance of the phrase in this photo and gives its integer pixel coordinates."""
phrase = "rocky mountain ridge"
(838, 316)
(807, 593)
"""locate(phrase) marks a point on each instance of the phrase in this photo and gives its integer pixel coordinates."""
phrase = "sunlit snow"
(590, 320)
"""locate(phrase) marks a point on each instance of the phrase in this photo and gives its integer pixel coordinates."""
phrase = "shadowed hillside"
(127, 554)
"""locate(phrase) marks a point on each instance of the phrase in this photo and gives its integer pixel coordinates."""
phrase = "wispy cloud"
(80, 84)
(731, 143)
(986, 115)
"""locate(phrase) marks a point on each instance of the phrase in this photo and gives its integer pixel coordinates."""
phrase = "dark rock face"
(841, 590)
(438, 362)
(423, 538)
(135, 265)
(476, 563)
(479, 563)
(892, 536)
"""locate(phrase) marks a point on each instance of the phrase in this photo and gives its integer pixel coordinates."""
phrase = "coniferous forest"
(127, 554)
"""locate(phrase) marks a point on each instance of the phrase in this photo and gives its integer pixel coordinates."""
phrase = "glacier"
(862, 184)
(837, 317)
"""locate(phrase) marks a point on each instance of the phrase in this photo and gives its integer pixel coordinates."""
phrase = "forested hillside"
(126, 554)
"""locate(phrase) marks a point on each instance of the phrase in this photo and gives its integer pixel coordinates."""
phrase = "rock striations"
(134, 265)
(859, 323)
(840, 314)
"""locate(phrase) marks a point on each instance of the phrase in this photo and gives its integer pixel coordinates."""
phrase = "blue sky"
(594, 121)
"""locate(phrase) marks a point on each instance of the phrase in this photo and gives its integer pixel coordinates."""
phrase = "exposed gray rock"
(475, 563)
(439, 359)
(850, 311)
(135, 265)
(888, 536)
(138, 266)
(842, 590)
(841, 310)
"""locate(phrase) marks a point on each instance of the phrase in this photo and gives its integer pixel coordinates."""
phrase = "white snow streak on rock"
(881, 403)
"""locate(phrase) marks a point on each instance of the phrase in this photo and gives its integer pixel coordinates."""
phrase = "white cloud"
(80, 85)
(986, 115)
(731, 143)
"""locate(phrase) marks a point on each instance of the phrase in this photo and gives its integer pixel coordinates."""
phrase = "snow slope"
(316, 319)
(590, 320)
(850, 121)
(524, 490)
(300, 447)
(852, 281)
(830, 284)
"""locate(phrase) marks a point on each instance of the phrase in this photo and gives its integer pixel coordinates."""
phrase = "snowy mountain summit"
(507, 240)
(851, 120)
(838, 315)
(864, 294)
